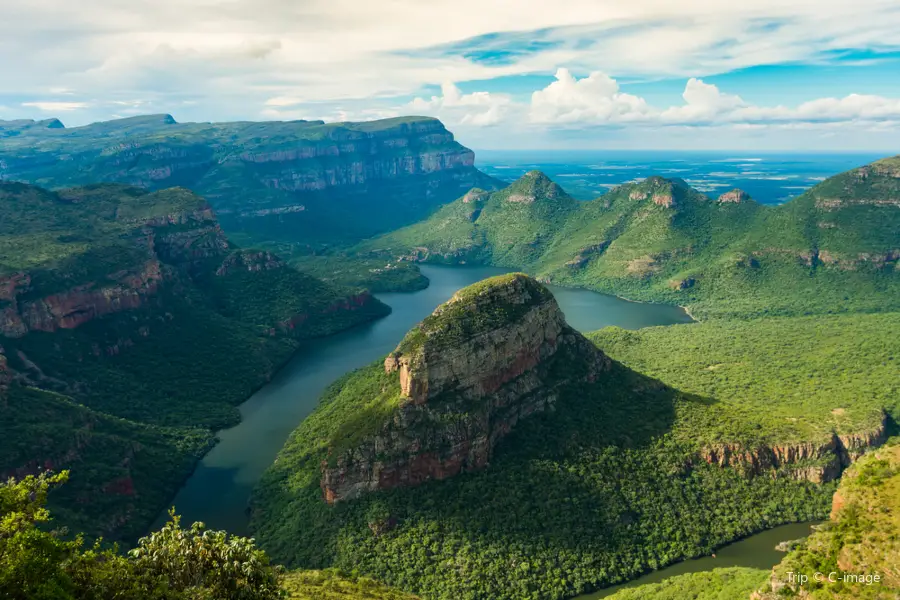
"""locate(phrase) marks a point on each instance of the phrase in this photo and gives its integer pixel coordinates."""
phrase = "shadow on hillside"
(569, 476)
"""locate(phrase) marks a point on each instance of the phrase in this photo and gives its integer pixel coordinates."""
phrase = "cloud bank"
(339, 59)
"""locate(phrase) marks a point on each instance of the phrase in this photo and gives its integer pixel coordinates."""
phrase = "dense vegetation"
(609, 484)
(599, 490)
(128, 400)
(861, 541)
(831, 250)
(333, 585)
(772, 381)
(174, 563)
(343, 269)
(170, 564)
(719, 584)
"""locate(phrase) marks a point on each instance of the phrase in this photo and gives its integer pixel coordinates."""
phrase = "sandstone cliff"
(817, 462)
(304, 179)
(856, 554)
(496, 353)
(130, 329)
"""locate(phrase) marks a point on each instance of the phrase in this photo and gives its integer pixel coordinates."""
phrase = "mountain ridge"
(305, 182)
(660, 240)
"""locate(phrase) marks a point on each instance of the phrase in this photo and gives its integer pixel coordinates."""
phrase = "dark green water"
(757, 551)
(218, 491)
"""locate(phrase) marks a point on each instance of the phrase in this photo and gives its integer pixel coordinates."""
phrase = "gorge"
(219, 489)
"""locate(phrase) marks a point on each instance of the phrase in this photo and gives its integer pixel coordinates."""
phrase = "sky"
(805, 75)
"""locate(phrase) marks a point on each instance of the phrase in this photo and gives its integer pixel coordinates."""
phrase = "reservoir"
(218, 491)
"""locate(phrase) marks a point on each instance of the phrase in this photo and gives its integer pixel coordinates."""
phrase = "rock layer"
(817, 462)
(496, 353)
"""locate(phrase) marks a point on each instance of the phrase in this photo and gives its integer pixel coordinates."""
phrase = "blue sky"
(605, 74)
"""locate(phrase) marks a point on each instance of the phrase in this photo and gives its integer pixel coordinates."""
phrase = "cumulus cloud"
(234, 56)
(706, 104)
(703, 102)
(597, 100)
(593, 99)
(479, 109)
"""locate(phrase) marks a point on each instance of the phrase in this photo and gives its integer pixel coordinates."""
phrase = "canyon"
(300, 181)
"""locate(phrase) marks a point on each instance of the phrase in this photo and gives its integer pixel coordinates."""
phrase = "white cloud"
(703, 102)
(594, 99)
(51, 106)
(235, 56)
(479, 109)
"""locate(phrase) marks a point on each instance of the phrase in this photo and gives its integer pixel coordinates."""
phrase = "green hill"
(130, 329)
(832, 250)
(627, 472)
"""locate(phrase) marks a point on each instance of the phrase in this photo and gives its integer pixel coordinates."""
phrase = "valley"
(324, 340)
(218, 491)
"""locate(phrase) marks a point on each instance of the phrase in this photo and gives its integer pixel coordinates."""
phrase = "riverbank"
(757, 551)
(219, 489)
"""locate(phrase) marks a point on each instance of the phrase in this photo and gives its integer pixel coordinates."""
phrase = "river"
(757, 551)
(218, 491)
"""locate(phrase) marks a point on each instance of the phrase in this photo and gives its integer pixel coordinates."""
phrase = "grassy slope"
(134, 375)
(736, 260)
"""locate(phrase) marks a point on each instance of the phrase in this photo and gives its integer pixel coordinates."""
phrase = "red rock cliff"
(494, 354)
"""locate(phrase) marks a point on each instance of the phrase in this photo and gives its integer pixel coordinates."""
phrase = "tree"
(170, 564)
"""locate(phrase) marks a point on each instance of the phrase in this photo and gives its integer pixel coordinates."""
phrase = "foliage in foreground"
(171, 564)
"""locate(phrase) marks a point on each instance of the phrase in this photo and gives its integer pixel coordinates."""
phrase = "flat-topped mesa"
(497, 352)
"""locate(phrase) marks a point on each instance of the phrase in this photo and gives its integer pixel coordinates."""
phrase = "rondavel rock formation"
(495, 353)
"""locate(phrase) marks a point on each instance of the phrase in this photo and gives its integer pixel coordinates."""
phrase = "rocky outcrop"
(735, 196)
(495, 353)
(585, 255)
(248, 260)
(817, 462)
(68, 309)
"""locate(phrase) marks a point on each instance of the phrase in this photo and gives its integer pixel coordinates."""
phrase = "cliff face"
(82, 303)
(495, 353)
(857, 552)
(109, 299)
(360, 177)
(817, 462)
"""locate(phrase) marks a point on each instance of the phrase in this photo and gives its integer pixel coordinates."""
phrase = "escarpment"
(496, 353)
(817, 462)
(328, 180)
(110, 297)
